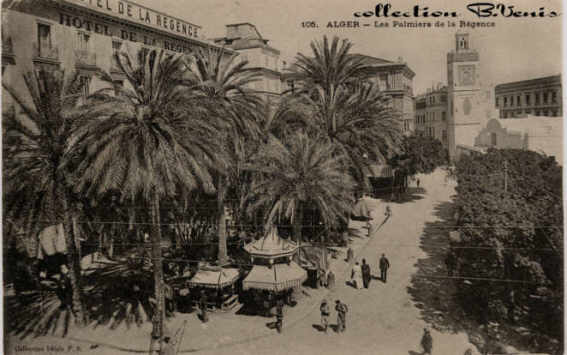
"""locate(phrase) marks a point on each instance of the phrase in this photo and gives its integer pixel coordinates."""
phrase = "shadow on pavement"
(434, 295)
(411, 352)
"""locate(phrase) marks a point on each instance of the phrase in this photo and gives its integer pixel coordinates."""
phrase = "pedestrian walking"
(169, 300)
(322, 277)
(426, 342)
(325, 313)
(356, 276)
(417, 183)
(279, 316)
(330, 280)
(350, 255)
(388, 212)
(384, 266)
(366, 274)
(342, 310)
(203, 306)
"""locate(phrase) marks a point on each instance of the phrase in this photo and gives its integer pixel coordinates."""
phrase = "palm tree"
(143, 143)
(37, 161)
(299, 173)
(220, 84)
(338, 101)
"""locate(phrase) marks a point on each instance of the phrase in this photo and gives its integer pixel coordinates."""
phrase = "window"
(443, 116)
(528, 99)
(83, 41)
(537, 98)
(511, 101)
(497, 101)
(493, 140)
(518, 101)
(554, 97)
(85, 85)
(444, 135)
(43, 39)
(505, 101)
(545, 97)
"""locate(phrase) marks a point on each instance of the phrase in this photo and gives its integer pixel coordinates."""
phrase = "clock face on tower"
(466, 75)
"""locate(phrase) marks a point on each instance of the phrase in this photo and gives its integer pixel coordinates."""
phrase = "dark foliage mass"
(510, 219)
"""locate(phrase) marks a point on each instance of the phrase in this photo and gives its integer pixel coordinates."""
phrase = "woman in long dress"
(356, 276)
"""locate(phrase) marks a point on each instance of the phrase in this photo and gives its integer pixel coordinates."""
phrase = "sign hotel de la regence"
(130, 11)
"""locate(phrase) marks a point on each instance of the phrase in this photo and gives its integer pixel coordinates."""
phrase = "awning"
(277, 278)
(214, 278)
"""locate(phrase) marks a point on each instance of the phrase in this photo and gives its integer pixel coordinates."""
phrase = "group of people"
(361, 275)
(341, 309)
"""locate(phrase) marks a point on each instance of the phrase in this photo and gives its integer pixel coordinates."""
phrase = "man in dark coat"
(203, 306)
(384, 266)
(279, 316)
(427, 342)
(366, 274)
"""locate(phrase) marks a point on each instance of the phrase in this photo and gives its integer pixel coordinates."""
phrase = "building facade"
(431, 114)
(537, 97)
(84, 35)
(245, 39)
(540, 134)
(395, 79)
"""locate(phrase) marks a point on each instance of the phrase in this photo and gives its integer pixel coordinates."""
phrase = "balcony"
(8, 56)
(85, 59)
(46, 54)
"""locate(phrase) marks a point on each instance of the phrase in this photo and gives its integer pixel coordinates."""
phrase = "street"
(383, 318)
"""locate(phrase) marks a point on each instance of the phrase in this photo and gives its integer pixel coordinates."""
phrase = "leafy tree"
(143, 143)
(511, 226)
(220, 83)
(419, 155)
(298, 173)
(37, 161)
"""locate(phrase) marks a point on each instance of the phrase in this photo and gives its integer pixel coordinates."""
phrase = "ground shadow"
(411, 352)
(411, 194)
(318, 327)
(431, 292)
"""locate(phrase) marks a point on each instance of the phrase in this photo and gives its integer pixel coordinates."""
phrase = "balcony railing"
(85, 58)
(44, 52)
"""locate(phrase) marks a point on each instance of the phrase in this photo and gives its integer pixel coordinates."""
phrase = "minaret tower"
(464, 111)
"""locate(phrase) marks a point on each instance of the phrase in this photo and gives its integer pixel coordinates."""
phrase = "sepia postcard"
(282, 177)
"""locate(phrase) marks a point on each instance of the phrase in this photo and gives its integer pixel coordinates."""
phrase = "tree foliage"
(510, 219)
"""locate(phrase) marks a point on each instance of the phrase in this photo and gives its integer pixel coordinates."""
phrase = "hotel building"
(84, 35)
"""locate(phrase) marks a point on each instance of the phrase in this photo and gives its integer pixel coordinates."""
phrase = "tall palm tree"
(299, 173)
(143, 143)
(337, 100)
(220, 84)
(37, 160)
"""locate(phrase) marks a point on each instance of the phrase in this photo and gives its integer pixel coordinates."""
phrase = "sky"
(516, 49)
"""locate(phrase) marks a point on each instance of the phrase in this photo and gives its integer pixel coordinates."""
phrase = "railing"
(45, 51)
(85, 58)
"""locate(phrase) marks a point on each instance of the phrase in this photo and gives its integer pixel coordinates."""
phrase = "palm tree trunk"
(297, 222)
(74, 264)
(157, 318)
(221, 222)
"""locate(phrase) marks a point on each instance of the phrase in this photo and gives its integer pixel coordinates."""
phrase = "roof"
(279, 277)
(271, 246)
(535, 81)
(212, 278)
